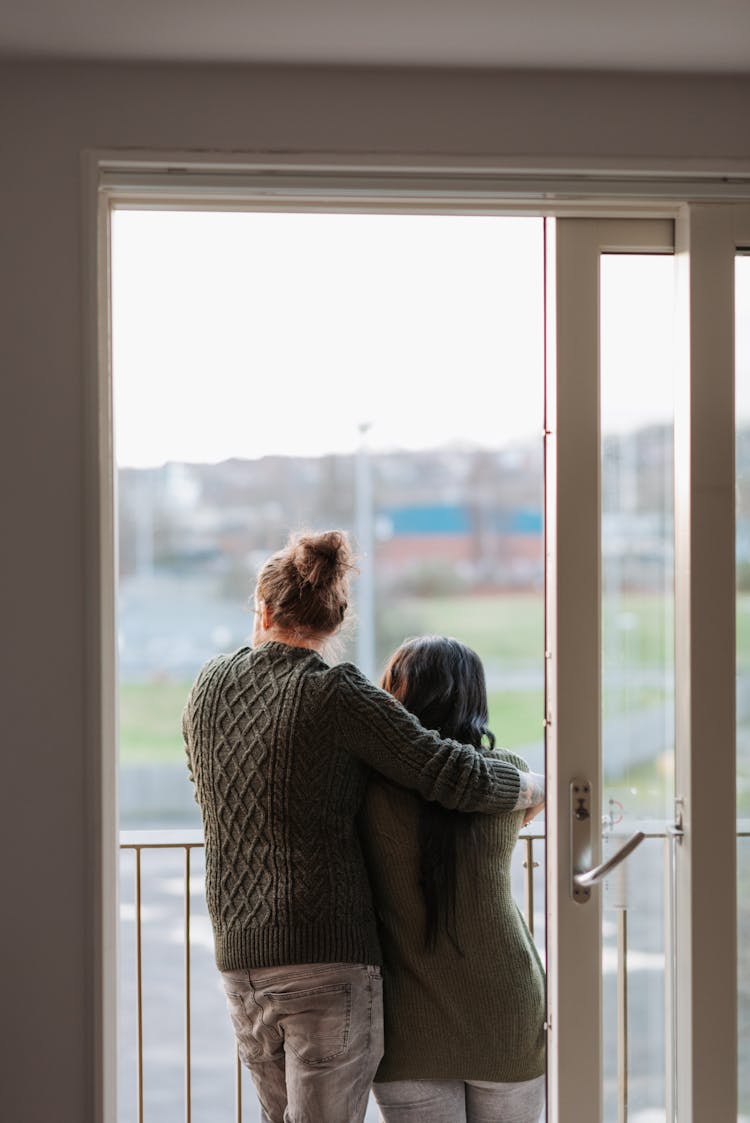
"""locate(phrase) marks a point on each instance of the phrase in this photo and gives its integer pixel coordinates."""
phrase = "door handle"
(591, 877)
(581, 878)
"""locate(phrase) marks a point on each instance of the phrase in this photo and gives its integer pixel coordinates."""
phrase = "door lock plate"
(580, 836)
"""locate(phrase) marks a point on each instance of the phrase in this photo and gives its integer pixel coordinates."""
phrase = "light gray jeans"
(312, 1037)
(458, 1101)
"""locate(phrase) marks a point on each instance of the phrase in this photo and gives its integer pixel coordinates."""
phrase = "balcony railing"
(186, 846)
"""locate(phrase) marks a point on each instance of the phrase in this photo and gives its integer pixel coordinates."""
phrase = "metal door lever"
(581, 823)
(591, 877)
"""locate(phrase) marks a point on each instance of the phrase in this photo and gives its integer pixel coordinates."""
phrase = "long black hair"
(441, 681)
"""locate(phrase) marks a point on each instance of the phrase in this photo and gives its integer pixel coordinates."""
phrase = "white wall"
(48, 115)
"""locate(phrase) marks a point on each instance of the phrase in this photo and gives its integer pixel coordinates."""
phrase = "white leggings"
(458, 1101)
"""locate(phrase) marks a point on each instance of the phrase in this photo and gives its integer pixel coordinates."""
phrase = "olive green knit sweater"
(280, 747)
(471, 1014)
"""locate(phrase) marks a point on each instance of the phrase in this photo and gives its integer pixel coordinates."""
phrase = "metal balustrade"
(531, 844)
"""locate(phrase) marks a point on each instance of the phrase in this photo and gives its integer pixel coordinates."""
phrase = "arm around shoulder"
(373, 726)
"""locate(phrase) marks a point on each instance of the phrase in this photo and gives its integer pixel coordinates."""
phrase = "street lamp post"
(363, 501)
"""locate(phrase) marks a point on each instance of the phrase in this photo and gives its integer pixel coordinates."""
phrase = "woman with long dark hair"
(464, 993)
(280, 746)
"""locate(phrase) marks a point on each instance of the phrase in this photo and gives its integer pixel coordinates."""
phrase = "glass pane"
(637, 669)
(742, 459)
(379, 373)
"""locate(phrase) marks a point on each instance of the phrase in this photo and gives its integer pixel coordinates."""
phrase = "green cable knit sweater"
(280, 747)
(452, 1016)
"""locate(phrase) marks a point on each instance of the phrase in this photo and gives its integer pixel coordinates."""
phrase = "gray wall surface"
(49, 114)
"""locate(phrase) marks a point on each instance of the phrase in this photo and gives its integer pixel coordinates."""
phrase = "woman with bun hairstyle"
(464, 991)
(280, 747)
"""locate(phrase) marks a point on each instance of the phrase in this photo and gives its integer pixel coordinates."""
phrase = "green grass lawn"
(507, 628)
(150, 715)
(508, 633)
(743, 630)
(516, 716)
(150, 721)
(510, 627)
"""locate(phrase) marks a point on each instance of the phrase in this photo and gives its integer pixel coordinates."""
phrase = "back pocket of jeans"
(315, 1022)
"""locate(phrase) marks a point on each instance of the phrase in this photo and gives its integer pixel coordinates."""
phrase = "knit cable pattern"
(280, 747)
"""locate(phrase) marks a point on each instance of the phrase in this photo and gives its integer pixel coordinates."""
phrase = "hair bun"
(322, 559)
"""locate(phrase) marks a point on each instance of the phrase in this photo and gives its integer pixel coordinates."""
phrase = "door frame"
(573, 637)
(615, 189)
(707, 239)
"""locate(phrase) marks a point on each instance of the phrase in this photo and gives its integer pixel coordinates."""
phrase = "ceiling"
(668, 35)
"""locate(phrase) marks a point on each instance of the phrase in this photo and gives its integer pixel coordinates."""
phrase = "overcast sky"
(241, 334)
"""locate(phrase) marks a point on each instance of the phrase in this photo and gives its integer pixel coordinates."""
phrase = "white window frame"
(695, 197)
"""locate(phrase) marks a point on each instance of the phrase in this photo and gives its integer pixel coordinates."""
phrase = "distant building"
(485, 545)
